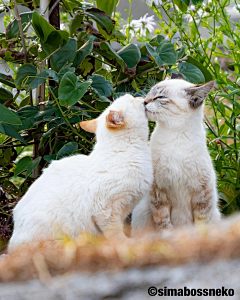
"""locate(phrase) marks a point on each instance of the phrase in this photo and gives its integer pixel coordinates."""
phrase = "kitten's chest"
(175, 168)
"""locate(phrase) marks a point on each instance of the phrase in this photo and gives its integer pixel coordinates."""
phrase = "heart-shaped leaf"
(64, 56)
(25, 75)
(70, 90)
(101, 86)
(168, 54)
(192, 73)
(130, 54)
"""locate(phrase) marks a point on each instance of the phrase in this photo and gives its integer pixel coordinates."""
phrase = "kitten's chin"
(151, 115)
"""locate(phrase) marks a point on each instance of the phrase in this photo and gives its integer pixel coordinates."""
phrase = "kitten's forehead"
(170, 84)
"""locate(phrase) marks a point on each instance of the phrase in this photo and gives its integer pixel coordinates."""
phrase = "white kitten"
(184, 188)
(91, 193)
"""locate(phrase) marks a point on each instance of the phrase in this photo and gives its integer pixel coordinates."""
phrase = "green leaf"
(25, 75)
(101, 86)
(181, 51)
(67, 149)
(41, 26)
(38, 80)
(75, 23)
(182, 4)
(45, 136)
(49, 157)
(101, 105)
(22, 165)
(83, 52)
(8, 130)
(154, 55)
(13, 27)
(5, 95)
(195, 2)
(168, 54)
(8, 116)
(108, 6)
(70, 90)
(206, 73)
(25, 101)
(64, 56)
(6, 79)
(130, 54)
(28, 111)
(52, 74)
(101, 18)
(192, 73)
(33, 165)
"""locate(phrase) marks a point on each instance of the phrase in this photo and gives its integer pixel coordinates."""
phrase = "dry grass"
(201, 243)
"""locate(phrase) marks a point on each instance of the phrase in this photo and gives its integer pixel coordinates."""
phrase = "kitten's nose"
(145, 103)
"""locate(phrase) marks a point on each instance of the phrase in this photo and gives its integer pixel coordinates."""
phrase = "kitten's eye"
(159, 97)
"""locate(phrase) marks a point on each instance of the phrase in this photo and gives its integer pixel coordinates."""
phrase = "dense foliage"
(61, 77)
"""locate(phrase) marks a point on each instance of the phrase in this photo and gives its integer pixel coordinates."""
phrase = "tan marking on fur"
(161, 207)
(115, 120)
(90, 126)
(178, 107)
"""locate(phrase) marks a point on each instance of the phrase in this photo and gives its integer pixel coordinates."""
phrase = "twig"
(17, 145)
(18, 18)
(149, 70)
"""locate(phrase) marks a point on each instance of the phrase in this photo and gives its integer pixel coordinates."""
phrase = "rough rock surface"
(131, 284)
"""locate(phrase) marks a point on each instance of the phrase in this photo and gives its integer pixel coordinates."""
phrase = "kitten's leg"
(160, 207)
(110, 225)
(204, 205)
(142, 218)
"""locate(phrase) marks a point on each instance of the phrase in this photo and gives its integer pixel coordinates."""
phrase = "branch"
(147, 71)
(16, 54)
(17, 145)
(21, 31)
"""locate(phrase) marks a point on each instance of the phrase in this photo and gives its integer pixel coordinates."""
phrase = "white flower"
(157, 2)
(144, 23)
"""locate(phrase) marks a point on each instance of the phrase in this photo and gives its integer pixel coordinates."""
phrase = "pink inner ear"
(114, 119)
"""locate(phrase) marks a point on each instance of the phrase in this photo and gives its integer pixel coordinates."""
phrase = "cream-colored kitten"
(91, 193)
(184, 188)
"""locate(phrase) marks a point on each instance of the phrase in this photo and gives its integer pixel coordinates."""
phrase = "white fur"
(180, 156)
(88, 193)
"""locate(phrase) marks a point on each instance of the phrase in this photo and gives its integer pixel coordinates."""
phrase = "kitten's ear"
(198, 93)
(90, 126)
(177, 76)
(114, 119)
